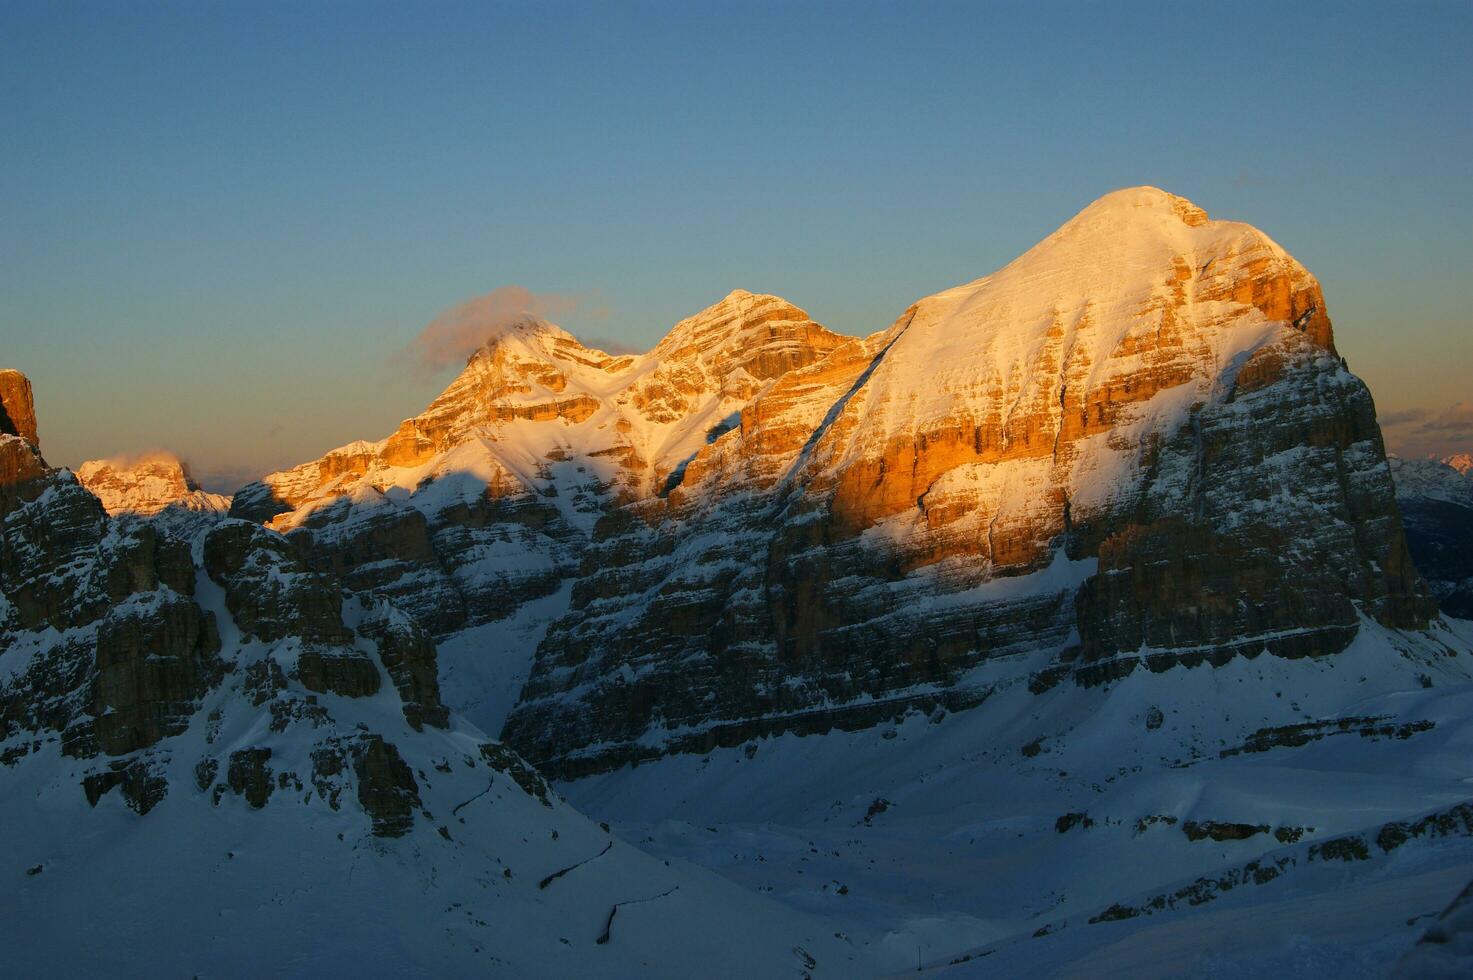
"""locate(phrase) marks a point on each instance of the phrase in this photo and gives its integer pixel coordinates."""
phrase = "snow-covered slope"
(484, 501)
(1449, 480)
(214, 763)
(1269, 817)
(1066, 624)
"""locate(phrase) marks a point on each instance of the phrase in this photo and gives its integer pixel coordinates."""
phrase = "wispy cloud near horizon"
(1422, 432)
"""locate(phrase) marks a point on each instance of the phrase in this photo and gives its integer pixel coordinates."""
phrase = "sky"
(223, 226)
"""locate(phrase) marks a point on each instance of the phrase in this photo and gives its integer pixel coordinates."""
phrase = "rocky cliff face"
(21, 465)
(17, 407)
(200, 694)
(1436, 502)
(1134, 446)
(487, 499)
(121, 634)
(148, 485)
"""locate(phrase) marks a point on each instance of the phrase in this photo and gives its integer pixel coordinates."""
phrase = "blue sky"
(222, 221)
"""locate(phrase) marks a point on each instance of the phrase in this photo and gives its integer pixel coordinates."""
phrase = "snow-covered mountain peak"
(1101, 337)
(1433, 479)
(736, 323)
(730, 351)
(147, 484)
(1462, 462)
(533, 396)
(1128, 200)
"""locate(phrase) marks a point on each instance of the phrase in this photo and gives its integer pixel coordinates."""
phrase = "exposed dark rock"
(1221, 831)
(50, 551)
(141, 787)
(386, 787)
(1145, 823)
(271, 593)
(341, 670)
(17, 407)
(408, 654)
(1302, 733)
(205, 771)
(249, 776)
(329, 765)
(1456, 821)
(263, 680)
(155, 660)
(876, 808)
(1351, 847)
(503, 759)
(1291, 835)
(22, 473)
(1069, 821)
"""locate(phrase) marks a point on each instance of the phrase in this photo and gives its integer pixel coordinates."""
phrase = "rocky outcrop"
(17, 407)
(156, 658)
(21, 467)
(22, 470)
(386, 787)
(249, 776)
(271, 593)
(408, 654)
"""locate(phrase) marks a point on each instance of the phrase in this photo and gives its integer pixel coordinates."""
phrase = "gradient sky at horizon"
(224, 223)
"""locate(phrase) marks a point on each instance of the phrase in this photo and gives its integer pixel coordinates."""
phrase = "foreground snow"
(949, 841)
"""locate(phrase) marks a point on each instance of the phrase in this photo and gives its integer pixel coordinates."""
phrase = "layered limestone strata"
(487, 499)
(113, 630)
(1134, 445)
(197, 696)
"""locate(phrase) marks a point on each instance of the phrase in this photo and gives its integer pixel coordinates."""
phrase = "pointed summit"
(761, 334)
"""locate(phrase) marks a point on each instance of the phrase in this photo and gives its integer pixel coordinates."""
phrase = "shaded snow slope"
(1000, 833)
(1436, 502)
(216, 764)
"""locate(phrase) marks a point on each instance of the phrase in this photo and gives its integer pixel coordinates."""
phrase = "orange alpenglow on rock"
(21, 464)
(1135, 443)
(17, 407)
(147, 484)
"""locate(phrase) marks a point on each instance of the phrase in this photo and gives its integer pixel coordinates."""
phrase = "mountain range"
(1077, 618)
